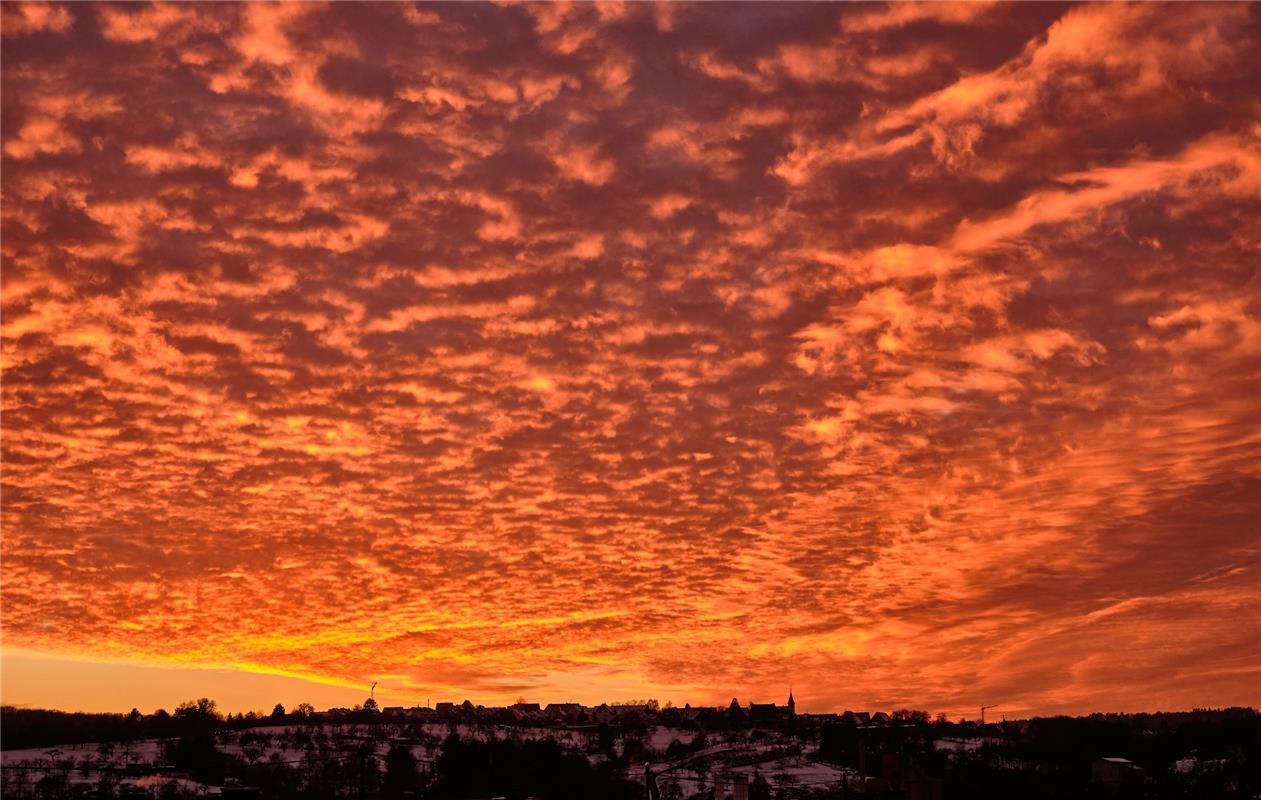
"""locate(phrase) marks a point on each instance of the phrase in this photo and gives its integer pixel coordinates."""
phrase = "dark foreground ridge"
(632, 751)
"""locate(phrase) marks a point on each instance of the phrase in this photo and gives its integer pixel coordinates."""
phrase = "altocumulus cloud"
(905, 353)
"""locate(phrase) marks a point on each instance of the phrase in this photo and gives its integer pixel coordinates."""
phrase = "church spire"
(792, 704)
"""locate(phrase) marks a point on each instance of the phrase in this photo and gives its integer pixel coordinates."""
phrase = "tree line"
(32, 727)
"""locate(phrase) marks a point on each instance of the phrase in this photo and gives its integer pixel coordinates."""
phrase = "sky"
(903, 355)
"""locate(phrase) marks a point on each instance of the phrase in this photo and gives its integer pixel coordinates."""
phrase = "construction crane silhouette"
(372, 693)
(983, 712)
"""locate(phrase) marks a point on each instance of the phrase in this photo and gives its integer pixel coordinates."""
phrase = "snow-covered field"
(779, 773)
(728, 759)
(726, 756)
(143, 751)
(659, 738)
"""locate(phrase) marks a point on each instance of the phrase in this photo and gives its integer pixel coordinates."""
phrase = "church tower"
(792, 704)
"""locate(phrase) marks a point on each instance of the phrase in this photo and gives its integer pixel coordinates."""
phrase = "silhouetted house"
(393, 711)
(445, 709)
(763, 713)
(632, 710)
(855, 718)
(602, 713)
(670, 717)
(770, 714)
(735, 714)
(692, 714)
(880, 718)
(563, 711)
(1115, 771)
(487, 715)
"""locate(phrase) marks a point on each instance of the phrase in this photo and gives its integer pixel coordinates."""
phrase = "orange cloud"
(598, 351)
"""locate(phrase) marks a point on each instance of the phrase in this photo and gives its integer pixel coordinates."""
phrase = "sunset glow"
(908, 355)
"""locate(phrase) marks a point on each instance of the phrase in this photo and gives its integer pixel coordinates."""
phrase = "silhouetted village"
(636, 750)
